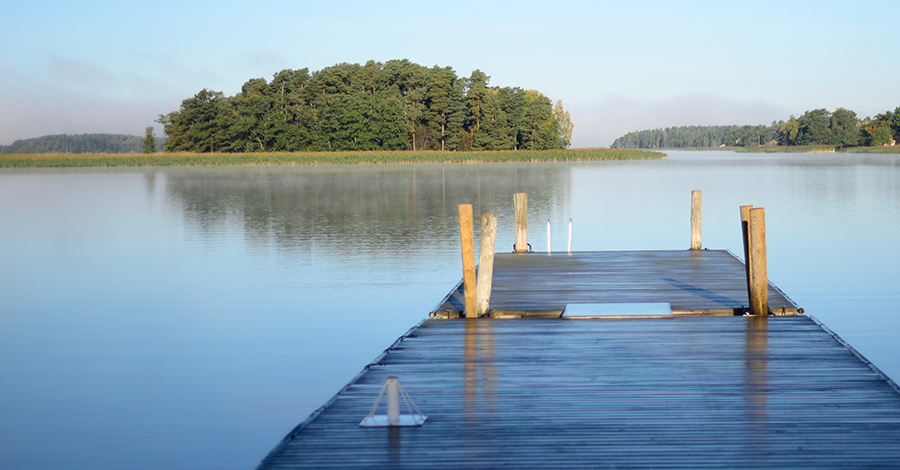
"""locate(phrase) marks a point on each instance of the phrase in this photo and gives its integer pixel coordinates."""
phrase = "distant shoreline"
(314, 158)
(789, 149)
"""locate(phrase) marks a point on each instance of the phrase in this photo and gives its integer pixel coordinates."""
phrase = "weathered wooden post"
(521, 202)
(467, 237)
(759, 282)
(745, 233)
(485, 264)
(696, 207)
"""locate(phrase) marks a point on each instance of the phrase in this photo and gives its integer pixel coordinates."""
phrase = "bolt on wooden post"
(759, 282)
(521, 202)
(696, 209)
(485, 264)
(467, 238)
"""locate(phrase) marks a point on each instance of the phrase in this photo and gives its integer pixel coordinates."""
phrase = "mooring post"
(745, 233)
(485, 264)
(392, 390)
(569, 246)
(467, 237)
(521, 202)
(696, 207)
(759, 282)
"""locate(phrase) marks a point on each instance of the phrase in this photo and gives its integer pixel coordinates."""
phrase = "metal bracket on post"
(394, 391)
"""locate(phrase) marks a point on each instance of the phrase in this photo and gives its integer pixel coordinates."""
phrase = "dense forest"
(816, 127)
(396, 105)
(81, 143)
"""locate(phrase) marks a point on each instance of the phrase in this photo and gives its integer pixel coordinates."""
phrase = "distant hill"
(83, 143)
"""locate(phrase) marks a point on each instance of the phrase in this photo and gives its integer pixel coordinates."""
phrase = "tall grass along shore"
(313, 158)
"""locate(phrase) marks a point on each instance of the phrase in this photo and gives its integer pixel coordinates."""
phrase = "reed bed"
(894, 149)
(314, 158)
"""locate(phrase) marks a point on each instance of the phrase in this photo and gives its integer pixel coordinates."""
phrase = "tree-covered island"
(841, 128)
(396, 105)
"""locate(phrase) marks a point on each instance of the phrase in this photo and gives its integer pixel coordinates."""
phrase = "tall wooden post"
(485, 264)
(521, 203)
(745, 233)
(759, 282)
(696, 209)
(467, 237)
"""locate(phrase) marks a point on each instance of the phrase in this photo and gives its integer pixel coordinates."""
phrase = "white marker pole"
(548, 235)
(393, 401)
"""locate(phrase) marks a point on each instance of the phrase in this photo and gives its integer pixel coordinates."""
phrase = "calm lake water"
(191, 317)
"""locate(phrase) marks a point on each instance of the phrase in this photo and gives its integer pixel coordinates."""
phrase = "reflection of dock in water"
(702, 388)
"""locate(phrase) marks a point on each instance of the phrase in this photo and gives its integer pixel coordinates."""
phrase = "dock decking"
(689, 391)
(693, 282)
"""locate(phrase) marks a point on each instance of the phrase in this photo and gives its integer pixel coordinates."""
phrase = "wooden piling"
(745, 234)
(759, 283)
(467, 238)
(521, 202)
(696, 208)
(485, 264)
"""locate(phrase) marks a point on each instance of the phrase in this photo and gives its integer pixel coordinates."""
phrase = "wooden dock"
(711, 282)
(686, 391)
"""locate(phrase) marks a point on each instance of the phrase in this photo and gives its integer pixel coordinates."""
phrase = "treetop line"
(396, 105)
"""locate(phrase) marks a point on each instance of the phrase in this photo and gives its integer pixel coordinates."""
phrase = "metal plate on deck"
(381, 421)
(618, 310)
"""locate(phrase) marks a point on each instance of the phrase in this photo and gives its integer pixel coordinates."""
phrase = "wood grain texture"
(759, 278)
(686, 392)
(520, 202)
(485, 263)
(467, 241)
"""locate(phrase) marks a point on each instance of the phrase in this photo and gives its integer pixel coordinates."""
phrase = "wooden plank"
(689, 392)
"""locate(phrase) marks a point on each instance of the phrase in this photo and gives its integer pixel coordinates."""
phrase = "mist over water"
(190, 317)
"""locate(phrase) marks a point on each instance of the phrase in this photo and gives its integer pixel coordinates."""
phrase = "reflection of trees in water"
(366, 207)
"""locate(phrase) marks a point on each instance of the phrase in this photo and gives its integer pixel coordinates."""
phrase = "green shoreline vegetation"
(807, 149)
(316, 158)
(838, 130)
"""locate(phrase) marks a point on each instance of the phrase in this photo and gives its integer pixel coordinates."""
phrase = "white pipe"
(392, 384)
(569, 249)
(548, 235)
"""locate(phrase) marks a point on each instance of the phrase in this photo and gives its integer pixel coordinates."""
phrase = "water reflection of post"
(488, 367)
(478, 359)
(470, 371)
(394, 446)
(757, 351)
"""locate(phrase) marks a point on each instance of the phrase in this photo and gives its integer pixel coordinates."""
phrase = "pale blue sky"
(104, 66)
